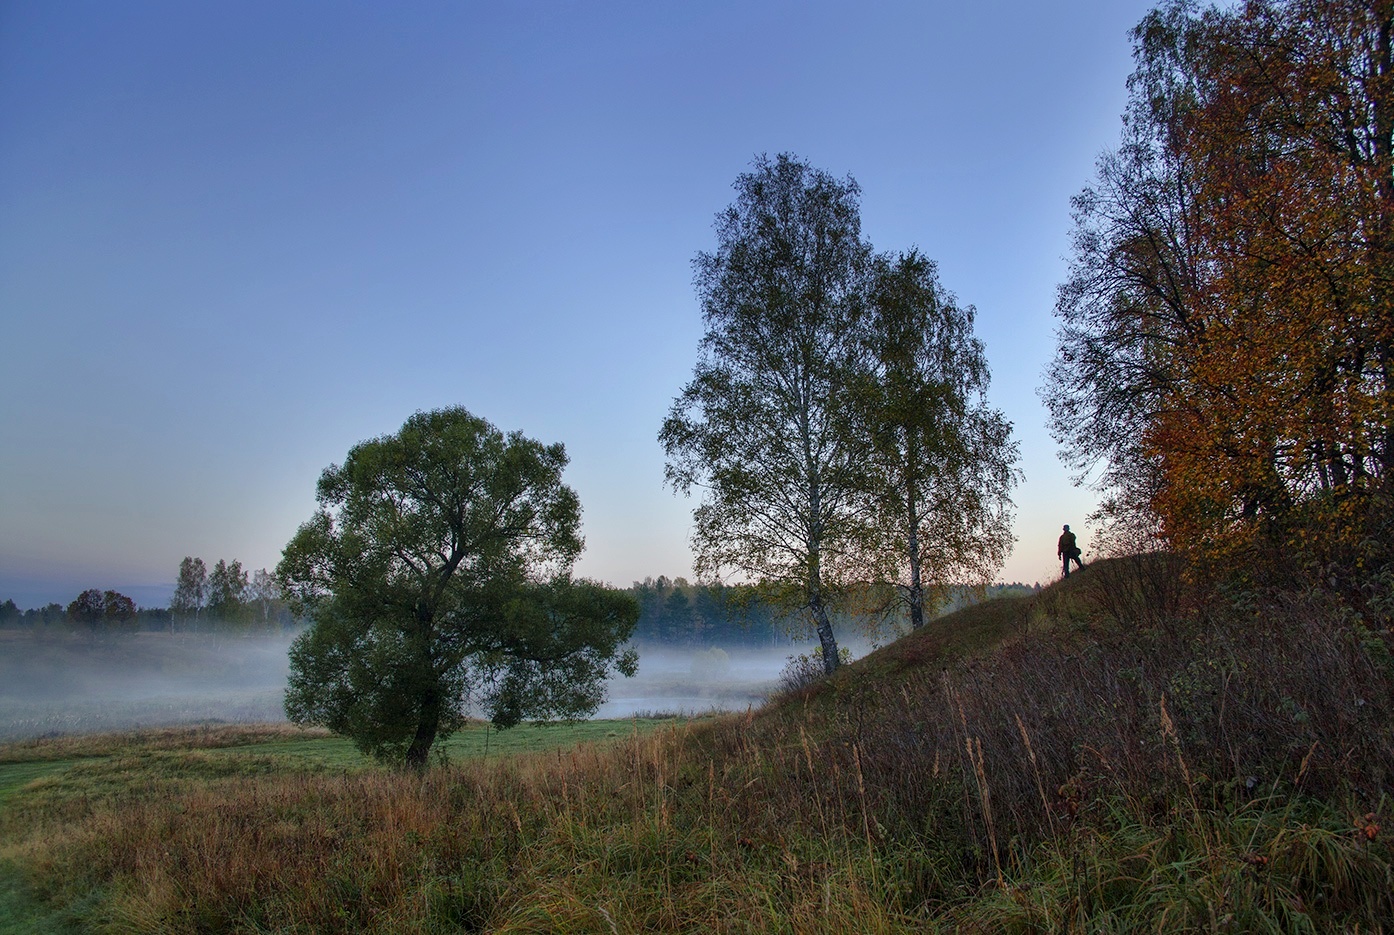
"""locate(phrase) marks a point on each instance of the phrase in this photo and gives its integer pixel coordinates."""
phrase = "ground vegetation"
(1035, 763)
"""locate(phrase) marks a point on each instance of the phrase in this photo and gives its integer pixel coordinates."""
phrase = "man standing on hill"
(1066, 550)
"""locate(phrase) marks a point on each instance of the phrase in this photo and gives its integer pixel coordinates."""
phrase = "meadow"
(1112, 755)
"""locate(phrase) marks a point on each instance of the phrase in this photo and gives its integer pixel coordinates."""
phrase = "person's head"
(1067, 527)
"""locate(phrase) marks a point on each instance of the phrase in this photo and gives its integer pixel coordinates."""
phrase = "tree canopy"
(436, 573)
(757, 428)
(1227, 341)
(227, 588)
(836, 420)
(105, 612)
(87, 609)
(939, 461)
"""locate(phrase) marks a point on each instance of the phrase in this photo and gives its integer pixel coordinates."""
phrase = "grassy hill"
(1113, 754)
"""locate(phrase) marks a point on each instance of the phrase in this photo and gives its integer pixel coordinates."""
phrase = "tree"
(264, 595)
(190, 591)
(96, 611)
(1228, 340)
(86, 610)
(678, 611)
(940, 461)
(1125, 310)
(1293, 135)
(436, 574)
(758, 427)
(49, 617)
(118, 611)
(227, 586)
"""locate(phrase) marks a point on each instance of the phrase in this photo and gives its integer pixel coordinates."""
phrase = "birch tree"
(940, 461)
(758, 430)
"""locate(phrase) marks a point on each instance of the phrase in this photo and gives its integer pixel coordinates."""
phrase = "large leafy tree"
(940, 462)
(759, 429)
(1228, 339)
(436, 574)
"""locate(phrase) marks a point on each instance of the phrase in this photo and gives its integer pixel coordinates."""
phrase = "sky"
(238, 238)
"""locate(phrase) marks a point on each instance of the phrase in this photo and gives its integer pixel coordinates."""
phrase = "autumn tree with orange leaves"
(1226, 349)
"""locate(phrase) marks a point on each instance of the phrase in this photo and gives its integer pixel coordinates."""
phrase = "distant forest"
(57, 619)
(676, 612)
(673, 611)
(225, 599)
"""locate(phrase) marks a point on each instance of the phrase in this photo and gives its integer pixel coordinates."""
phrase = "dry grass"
(201, 737)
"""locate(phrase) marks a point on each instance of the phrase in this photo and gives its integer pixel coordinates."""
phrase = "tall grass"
(1031, 766)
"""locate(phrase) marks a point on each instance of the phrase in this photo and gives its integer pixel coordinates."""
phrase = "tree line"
(224, 599)
(227, 596)
(674, 611)
(93, 613)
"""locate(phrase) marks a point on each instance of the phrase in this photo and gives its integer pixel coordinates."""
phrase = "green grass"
(99, 761)
(22, 914)
(15, 776)
(480, 741)
(476, 742)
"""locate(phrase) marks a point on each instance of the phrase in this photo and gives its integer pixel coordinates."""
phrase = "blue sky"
(238, 238)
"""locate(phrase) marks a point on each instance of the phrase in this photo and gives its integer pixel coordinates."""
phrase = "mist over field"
(695, 681)
(71, 685)
(66, 685)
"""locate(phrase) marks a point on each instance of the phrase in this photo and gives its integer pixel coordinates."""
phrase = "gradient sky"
(238, 238)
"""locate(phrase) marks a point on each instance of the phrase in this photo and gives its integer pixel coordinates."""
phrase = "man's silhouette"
(1066, 550)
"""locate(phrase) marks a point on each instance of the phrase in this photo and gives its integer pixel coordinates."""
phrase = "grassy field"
(49, 776)
(301, 749)
(1057, 763)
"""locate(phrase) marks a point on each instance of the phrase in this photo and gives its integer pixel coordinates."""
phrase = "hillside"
(1112, 754)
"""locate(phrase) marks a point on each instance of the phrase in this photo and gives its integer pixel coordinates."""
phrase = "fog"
(51, 686)
(64, 685)
(679, 680)
(690, 681)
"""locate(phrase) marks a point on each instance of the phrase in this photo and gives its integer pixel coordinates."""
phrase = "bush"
(806, 669)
